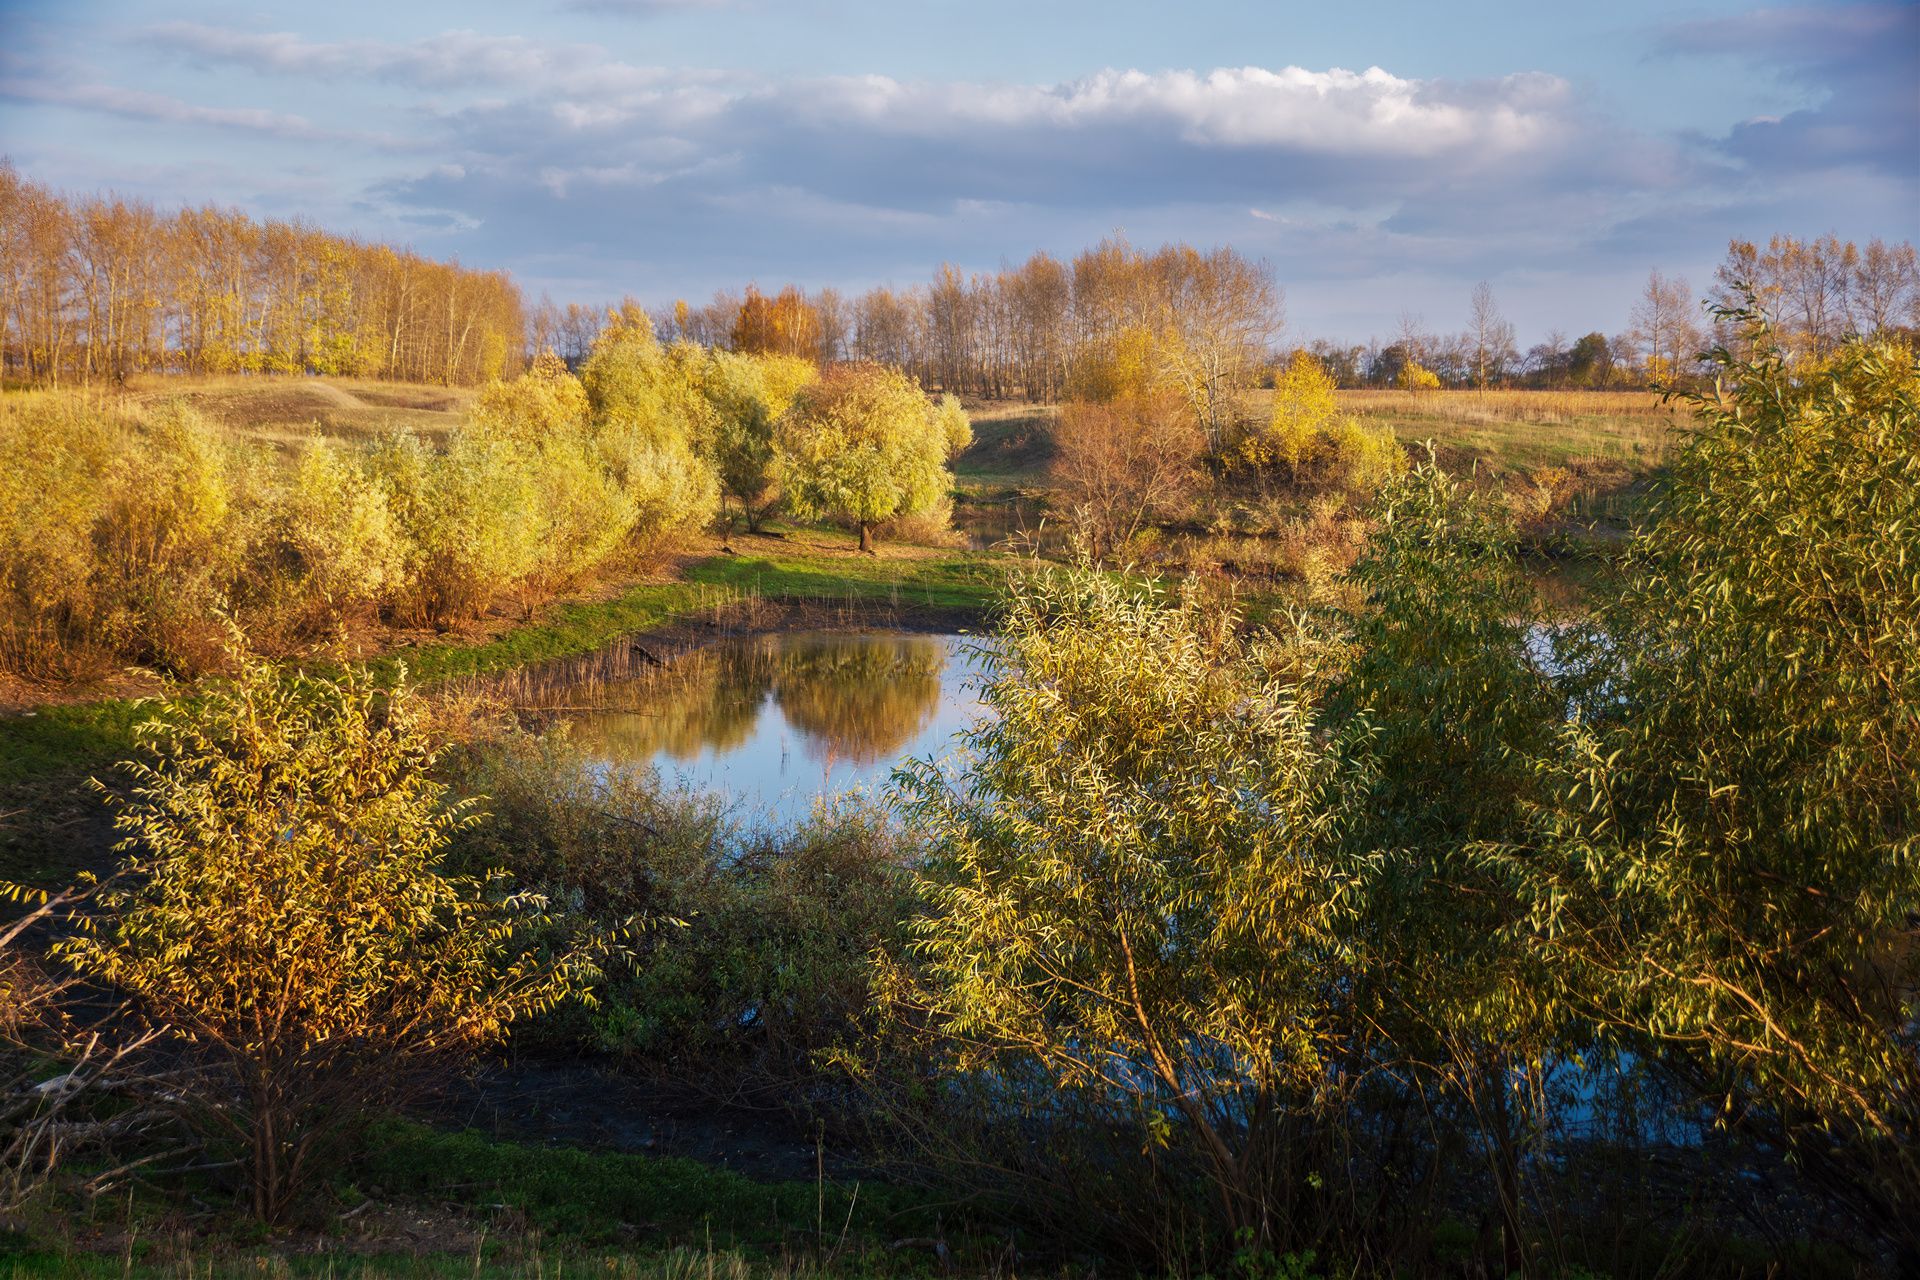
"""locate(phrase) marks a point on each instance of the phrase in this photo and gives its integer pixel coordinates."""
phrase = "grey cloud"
(1860, 60)
(136, 104)
(450, 60)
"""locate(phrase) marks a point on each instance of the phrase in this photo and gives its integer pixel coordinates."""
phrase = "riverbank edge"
(52, 824)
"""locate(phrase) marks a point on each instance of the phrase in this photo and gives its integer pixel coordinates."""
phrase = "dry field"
(1518, 431)
(283, 410)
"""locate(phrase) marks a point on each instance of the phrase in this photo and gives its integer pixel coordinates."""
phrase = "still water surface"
(776, 722)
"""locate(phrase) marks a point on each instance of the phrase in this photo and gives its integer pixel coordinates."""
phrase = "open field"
(1011, 448)
(281, 411)
(1502, 432)
(1509, 431)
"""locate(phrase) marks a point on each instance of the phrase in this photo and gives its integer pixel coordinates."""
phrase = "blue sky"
(1384, 157)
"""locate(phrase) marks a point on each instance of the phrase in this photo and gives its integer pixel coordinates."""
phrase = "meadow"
(1085, 1008)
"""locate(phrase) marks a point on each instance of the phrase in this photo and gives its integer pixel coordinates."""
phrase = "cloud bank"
(571, 165)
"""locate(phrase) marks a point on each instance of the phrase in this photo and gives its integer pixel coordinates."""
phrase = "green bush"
(1730, 871)
(764, 966)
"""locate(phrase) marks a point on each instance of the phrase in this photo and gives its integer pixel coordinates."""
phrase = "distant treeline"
(100, 287)
(1046, 330)
(1814, 293)
(1050, 329)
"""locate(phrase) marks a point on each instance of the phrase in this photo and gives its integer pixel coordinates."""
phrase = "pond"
(778, 721)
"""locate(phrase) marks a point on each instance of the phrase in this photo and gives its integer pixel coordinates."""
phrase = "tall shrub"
(1732, 871)
(281, 910)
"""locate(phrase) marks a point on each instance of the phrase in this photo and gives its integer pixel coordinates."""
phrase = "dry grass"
(282, 411)
(1012, 445)
(1519, 431)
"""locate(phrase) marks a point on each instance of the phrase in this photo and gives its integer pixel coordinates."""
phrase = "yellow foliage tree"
(282, 912)
(1415, 376)
(1314, 445)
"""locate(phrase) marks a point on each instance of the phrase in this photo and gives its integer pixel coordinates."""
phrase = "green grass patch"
(527, 1210)
(963, 581)
(592, 1197)
(63, 739)
(491, 1262)
(564, 630)
(1011, 450)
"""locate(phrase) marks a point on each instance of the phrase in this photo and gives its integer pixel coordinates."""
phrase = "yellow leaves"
(1313, 444)
(1129, 367)
(863, 444)
(1417, 377)
(284, 897)
(1303, 407)
(785, 325)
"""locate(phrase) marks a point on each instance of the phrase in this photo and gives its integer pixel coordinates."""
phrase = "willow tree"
(651, 422)
(283, 913)
(864, 444)
(1733, 871)
(749, 395)
(1144, 907)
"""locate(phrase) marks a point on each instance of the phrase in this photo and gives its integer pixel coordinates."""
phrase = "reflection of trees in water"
(709, 698)
(863, 699)
(860, 698)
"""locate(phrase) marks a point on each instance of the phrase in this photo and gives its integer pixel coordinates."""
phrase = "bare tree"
(1885, 291)
(1221, 314)
(1491, 335)
(1123, 464)
(1663, 326)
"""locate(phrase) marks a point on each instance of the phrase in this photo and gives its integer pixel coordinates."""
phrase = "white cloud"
(1370, 113)
(567, 154)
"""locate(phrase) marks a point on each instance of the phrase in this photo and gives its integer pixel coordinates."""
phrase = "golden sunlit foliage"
(1312, 444)
(1415, 376)
(127, 531)
(120, 535)
(748, 396)
(281, 913)
(864, 444)
(785, 325)
(1814, 293)
(1123, 464)
(102, 287)
(652, 424)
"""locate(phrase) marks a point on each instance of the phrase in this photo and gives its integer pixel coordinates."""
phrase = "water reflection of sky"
(777, 722)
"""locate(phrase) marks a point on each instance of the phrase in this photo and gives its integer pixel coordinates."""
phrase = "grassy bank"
(429, 1203)
(45, 813)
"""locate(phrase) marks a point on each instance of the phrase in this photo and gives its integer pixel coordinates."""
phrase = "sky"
(1382, 156)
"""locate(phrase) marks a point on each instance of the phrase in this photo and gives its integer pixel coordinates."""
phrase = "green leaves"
(1735, 828)
(1143, 887)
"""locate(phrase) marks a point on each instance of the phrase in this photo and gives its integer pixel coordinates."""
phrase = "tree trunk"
(866, 537)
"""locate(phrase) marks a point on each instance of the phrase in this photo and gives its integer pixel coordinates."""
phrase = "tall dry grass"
(1508, 430)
